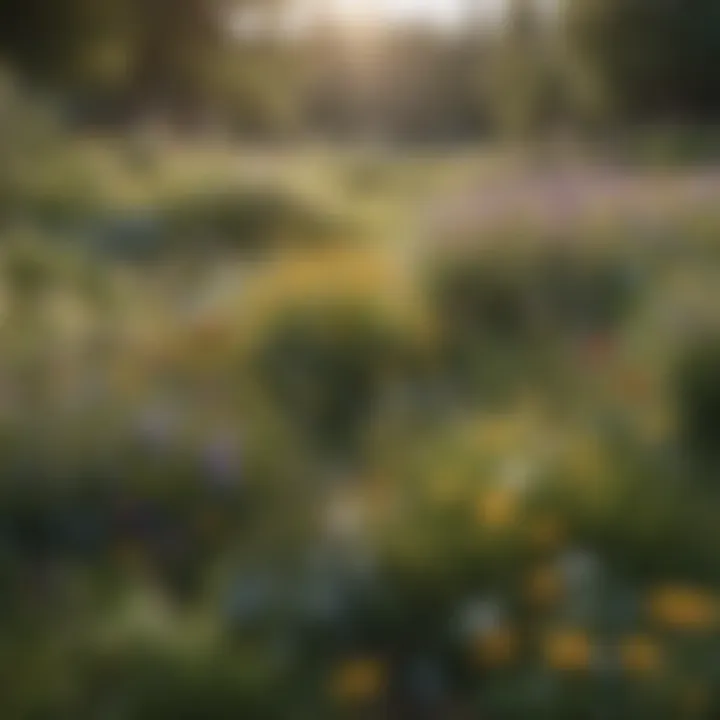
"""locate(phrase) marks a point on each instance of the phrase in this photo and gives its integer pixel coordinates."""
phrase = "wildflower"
(358, 681)
(497, 648)
(634, 384)
(579, 569)
(517, 475)
(640, 655)
(683, 608)
(546, 533)
(221, 458)
(597, 350)
(496, 508)
(344, 517)
(568, 651)
(544, 586)
(500, 434)
(480, 617)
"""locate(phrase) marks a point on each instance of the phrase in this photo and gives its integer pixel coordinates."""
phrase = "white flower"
(580, 569)
(322, 600)
(344, 518)
(480, 617)
(517, 474)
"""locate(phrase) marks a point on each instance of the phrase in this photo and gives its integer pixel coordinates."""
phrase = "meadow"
(309, 434)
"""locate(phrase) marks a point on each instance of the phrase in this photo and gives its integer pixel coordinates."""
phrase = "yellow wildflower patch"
(359, 680)
(568, 651)
(496, 508)
(544, 586)
(497, 648)
(546, 533)
(641, 655)
(683, 608)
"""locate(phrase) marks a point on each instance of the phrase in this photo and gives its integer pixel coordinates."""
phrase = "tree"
(523, 86)
(160, 54)
(653, 58)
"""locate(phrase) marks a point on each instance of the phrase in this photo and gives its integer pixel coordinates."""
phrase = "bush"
(503, 315)
(253, 220)
(328, 345)
(697, 384)
(494, 294)
(156, 686)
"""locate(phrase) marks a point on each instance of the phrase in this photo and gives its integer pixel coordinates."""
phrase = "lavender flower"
(221, 459)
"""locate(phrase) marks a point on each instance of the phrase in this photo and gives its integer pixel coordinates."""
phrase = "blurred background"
(359, 359)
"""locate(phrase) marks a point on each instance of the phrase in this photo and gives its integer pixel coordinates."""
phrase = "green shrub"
(149, 686)
(326, 337)
(252, 220)
(512, 296)
(697, 384)
(325, 368)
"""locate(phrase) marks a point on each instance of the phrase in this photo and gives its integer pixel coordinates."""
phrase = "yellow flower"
(683, 608)
(360, 680)
(641, 655)
(500, 434)
(496, 648)
(568, 650)
(496, 508)
(544, 586)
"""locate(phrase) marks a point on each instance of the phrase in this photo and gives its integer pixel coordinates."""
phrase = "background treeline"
(237, 65)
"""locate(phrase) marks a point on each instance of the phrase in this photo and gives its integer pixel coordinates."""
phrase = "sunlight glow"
(440, 12)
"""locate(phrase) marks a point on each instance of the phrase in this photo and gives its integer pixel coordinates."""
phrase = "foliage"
(359, 479)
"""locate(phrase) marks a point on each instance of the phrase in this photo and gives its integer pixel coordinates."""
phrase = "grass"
(407, 449)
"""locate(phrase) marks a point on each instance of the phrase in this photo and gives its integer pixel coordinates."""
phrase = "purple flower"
(221, 459)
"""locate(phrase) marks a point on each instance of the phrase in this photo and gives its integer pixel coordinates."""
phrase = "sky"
(443, 12)
(437, 11)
